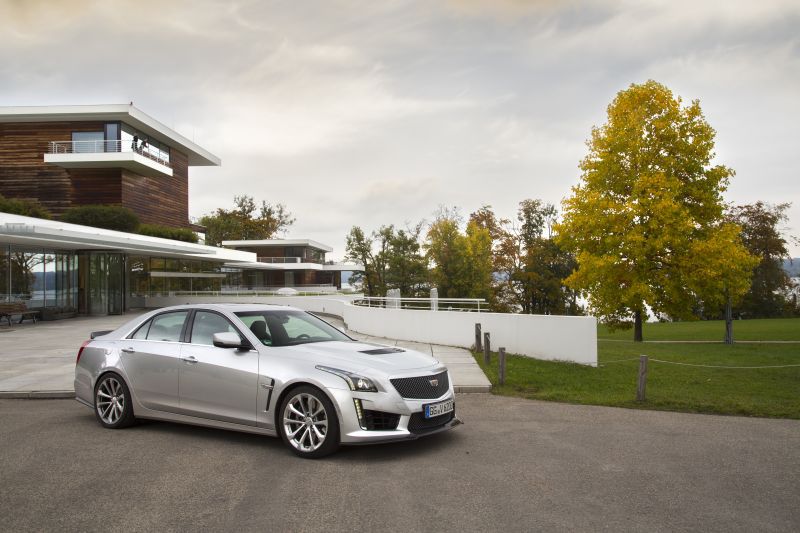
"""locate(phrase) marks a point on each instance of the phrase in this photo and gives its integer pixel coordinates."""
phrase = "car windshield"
(289, 328)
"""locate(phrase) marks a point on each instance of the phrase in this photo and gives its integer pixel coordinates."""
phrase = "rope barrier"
(603, 363)
(618, 361)
(718, 366)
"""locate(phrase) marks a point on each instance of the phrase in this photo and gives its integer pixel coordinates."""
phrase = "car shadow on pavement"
(387, 452)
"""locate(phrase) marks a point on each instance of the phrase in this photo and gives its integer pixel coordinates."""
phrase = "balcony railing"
(100, 147)
(287, 260)
(429, 304)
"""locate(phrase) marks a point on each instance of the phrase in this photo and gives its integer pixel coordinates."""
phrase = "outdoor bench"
(7, 309)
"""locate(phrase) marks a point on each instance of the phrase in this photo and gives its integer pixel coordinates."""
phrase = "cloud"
(370, 114)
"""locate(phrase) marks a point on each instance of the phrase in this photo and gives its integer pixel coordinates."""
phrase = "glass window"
(5, 274)
(206, 324)
(157, 264)
(167, 327)
(141, 333)
(88, 142)
(288, 328)
(112, 137)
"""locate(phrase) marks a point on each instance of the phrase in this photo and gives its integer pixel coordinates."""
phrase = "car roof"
(233, 307)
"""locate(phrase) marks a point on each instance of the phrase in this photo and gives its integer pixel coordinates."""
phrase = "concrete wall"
(558, 338)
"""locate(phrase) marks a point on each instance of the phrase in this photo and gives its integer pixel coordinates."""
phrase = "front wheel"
(112, 402)
(308, 423)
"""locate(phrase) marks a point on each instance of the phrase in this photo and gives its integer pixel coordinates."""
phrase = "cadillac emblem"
(434, 382)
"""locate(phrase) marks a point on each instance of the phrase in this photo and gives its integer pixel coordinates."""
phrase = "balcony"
(287, 260)
(107, 154)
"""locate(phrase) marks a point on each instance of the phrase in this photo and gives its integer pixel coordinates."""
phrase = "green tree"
(359, 248)
(646, 222)
(246, 221)
(533, 266)
(461, 262)
(391, 259)
(26, 208)
(762, 237)
(406, 267)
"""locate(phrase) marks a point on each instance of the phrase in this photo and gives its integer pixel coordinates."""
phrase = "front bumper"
(350, 429)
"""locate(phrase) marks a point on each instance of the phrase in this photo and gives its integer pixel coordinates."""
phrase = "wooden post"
(478, 345)
(501, 375)
(487, 349)
(642, 384)
(728, 322)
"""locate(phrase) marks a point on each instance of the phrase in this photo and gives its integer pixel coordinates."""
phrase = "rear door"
(217, 383)
(151, 358)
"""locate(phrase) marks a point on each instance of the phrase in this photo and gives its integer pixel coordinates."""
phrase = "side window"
(167, 327)
(141, 333)
(206, 324)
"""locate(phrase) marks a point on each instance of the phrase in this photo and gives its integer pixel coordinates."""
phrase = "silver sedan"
(264, 369)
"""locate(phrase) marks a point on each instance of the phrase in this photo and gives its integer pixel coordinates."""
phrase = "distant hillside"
(792, 267)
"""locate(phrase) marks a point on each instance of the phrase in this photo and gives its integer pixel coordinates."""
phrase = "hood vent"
(382, 351)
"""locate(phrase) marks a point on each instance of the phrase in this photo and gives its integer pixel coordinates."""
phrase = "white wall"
(561, 338)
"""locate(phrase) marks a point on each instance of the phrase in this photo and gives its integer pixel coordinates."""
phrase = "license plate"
(437, 409)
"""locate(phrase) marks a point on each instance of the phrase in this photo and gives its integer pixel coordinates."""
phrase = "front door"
(217, 383)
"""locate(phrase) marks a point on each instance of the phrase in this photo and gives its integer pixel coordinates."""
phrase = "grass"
(767, 329)
(771, 392)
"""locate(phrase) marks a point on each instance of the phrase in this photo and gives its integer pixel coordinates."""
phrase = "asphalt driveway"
(516, 465)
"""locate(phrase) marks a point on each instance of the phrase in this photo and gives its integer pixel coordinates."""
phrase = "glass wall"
(40, 278)
(156, 276)
(134, 140)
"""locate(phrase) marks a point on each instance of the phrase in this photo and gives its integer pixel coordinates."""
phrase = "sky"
(373, 113)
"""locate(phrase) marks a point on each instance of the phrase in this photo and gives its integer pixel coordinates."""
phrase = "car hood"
(350, 356)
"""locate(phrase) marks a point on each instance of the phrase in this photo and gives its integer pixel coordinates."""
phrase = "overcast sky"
(375, 113)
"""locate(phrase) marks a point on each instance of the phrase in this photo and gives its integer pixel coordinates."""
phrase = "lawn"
(771, 329)
(769, 392)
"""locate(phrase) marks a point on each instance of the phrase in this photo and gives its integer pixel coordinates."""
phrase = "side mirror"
(229, 339)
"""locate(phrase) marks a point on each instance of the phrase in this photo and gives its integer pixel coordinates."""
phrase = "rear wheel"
(308, 424)
(112, 402)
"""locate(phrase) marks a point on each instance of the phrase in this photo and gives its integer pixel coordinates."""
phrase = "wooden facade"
(154, 198)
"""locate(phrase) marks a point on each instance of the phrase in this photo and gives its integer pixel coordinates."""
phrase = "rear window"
(163, 327)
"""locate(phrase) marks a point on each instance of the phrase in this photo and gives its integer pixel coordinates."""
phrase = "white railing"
(432, 304)
(100, 147)
(279, 259)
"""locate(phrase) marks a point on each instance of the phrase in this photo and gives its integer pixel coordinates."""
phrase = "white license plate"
(436, 409)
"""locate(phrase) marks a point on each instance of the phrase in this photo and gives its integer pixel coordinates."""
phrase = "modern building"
(63, 156)
(289, 263)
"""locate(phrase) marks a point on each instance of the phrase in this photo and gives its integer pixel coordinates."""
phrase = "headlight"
(354, 381)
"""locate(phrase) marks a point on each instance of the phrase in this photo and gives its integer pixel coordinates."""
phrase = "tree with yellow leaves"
(646, 221)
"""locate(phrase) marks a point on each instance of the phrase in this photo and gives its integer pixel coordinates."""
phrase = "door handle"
(190, 359)
(128, 350)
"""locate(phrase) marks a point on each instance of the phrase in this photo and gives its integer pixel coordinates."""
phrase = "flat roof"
(278, 242)
(40, 233)
(128, 113)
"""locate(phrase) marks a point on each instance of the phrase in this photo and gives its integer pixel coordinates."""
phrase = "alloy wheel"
(110, 401)
(305, 422)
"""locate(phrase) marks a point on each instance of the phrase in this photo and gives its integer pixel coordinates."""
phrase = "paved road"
(515, 465)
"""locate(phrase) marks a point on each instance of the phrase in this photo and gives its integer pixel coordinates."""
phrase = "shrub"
(165, 232)
(26, 208)
(114, 217)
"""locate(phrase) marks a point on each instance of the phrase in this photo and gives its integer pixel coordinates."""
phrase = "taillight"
(84, 345)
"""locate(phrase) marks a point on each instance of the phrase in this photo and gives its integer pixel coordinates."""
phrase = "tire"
(112, 402)
(308, 423)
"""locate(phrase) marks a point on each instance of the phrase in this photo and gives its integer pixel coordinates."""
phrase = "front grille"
(420, 388)
(419, 424)
(380, 421)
